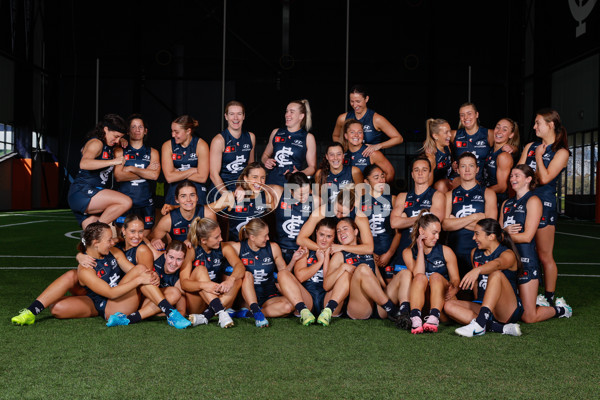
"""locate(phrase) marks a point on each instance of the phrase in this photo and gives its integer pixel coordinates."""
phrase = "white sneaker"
(511, 329)
(541, 301)
(473, 329)
(225, 320)
(560, 302)
(198, 319)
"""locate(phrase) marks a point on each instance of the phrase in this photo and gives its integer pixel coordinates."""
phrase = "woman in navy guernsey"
(498, 163)
(333, 175)
(437, 150)
(408, 205)
(269, 287)
(521, 217)
(230, 150)
(472, 138)
(465, 205)
(289, 149)
(353, 141)
(548, 158)
(379, 133)
(293, 209)
(112, 285)
(175, 225)
(211, 275)
(366, 295)
(496, 265)
(254, 199)
(180, 158)
(377, 205)
(89, 198)
(142, 165)
(434, 270)
(312, 268)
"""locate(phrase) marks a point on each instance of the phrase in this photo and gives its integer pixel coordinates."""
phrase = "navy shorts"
(287, 254)
(99, 303)
(549, 215)
(388, 272)
(79, 199)
(318, 296)
(264, 294)
(529, 273)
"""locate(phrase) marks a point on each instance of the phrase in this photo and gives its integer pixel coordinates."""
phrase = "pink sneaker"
(417, 325)
(431, 324)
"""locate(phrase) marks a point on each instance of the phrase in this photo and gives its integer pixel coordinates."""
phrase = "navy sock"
(36, 307)
(254, 307)
(390, 308)
(405, 307)
(216, 305)
(415, 313)
(300, 306)
(332, 305)
(165, 307)
(559, 311)
(435, 312)
(485, 315)
(134, 317)
(493, 326)
(549, 296)
(209, 313)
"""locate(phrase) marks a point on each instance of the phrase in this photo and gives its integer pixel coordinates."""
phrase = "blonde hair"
(201, 228)
(304, 109)
(515, 140)
(424, 219)
(253, 227)
(432, 126)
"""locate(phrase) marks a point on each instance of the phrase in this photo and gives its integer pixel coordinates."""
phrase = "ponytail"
(491, 226)
(305, 109)
(253, 227)
(201, 228)
(92, 232)
(424, 219)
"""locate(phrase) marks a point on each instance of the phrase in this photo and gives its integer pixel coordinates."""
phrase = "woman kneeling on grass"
(209, 287)
(434, 270)
(366, 286)
(269, 287)
(112, 284)
(496, 265)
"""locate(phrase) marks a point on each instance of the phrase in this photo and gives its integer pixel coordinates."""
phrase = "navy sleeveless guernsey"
(290, 215)
(515, 212)
(315, 282)
(130, 254)
(378, 211)
(434, 261)
(243, 212)
(547, 192)
(180, 226)
(479, 259)
(185, 158)
(236, 155)
(356, 159)
(464, 203)
(490, 174)
(443, 164)
(138, 189)
(357, 259)
(166, 279)
(371, 135)
(108, 270)
(213, 261)
(476, 144)
(261, 264)
(289, 151)
(337, 182)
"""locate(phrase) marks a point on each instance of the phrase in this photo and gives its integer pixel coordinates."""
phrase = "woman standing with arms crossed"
(379, 133)
(292, 147)
(88, 197)
(181, 157)
(548, 159)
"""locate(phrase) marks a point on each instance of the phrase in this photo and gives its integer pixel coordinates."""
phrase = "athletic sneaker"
(197, 319)
(541, 301)
(176, 319)
(325, 317)
(25, 317)
(225, 320)
(117, 319)
(511, 329)
(416, 325)
(260, 320)
(404, 322)
(560, 302)
(306, 317)
(473, 329)
(431, 324)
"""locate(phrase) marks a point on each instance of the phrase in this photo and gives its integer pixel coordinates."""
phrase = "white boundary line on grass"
(23, 223)
(583, 236)
(8, 256)
(573, 263)
(580, 275)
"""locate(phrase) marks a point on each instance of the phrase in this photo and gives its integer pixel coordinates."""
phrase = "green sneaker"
(325, 317)
(306, 317)
(25, 317)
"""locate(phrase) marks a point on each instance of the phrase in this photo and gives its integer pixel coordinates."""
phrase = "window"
(581, 169)
(7, 139)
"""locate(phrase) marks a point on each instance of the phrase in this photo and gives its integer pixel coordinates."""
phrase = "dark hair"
(467, 104)
(113, 122)
(515, 140)
(298, 178)
(529, 173)
(186, 122)
(246, 171)
(325, 167)
(92, 232)
(358, 89)
(424, 219)
(234, 103)
(551, 116)
(467, 154)
(352, 223)
(369, 169)
(176, 245)
(136, 116)
(491, 226)
(130, 218)
(346, 197)
(347, 125)
(328, 222)
(421, 157)
(183, 184)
